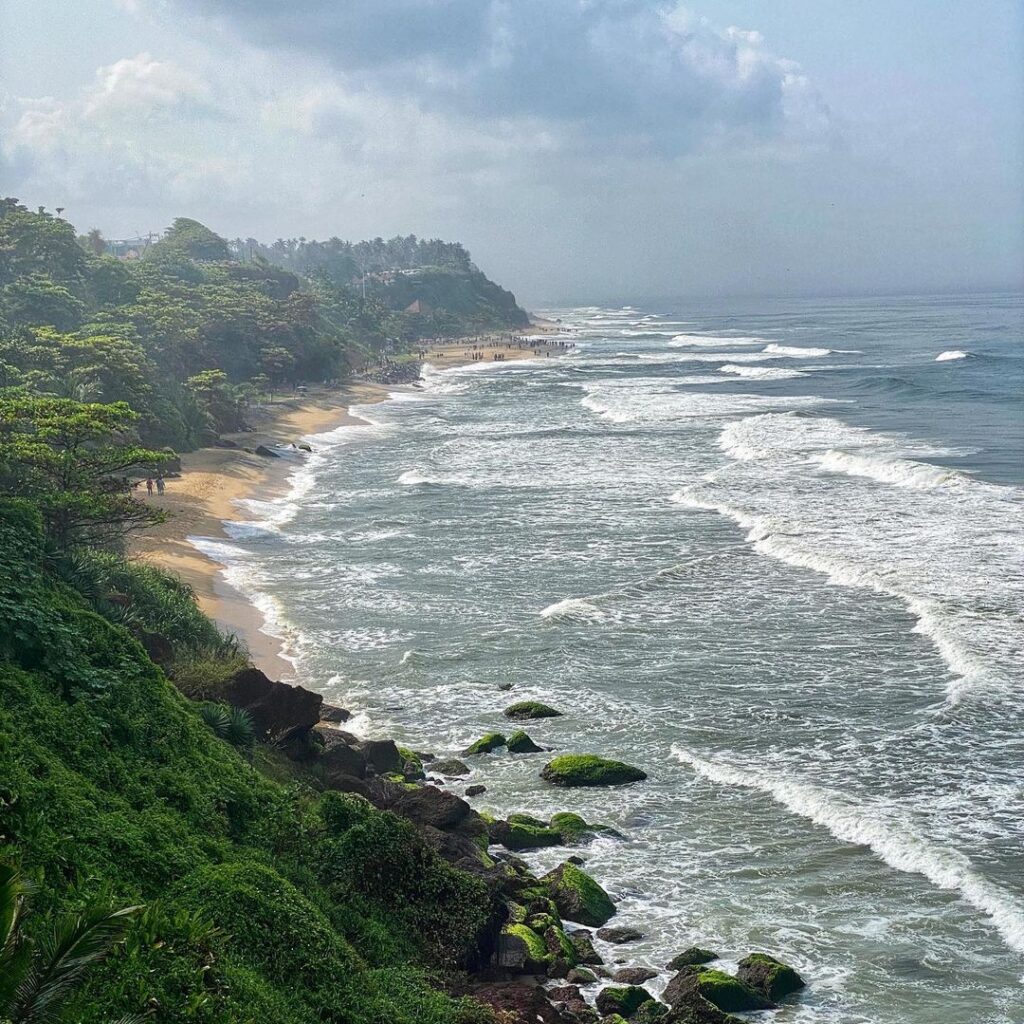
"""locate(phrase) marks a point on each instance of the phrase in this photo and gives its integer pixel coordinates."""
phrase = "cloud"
(142, 86)
(629, 74)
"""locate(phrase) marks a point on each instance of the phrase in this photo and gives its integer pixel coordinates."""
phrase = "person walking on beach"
(149, 486)
(160, 485)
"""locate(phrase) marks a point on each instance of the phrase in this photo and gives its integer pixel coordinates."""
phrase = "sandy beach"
(214, 480)
(206, 494)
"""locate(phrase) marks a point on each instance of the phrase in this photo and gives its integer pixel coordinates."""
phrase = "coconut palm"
(37, 977)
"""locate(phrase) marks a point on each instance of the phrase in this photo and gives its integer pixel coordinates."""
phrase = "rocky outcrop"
(618, 936)
(279, 712)
(530, 709)
(771, 977)
(520, 743)
(589, 770)
(691, 957)
(577, 896)
(624, 1000)
(718, 988)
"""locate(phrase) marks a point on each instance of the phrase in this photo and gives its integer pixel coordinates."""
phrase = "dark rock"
(475, 790)
(619, 935)
(278, 711)
(488, 742)
(338, 757)
(578, 897)
(649, 1013)
(266, 452)
(520, 743)
(580, 975)
(303, 447)
(332, 713)
(428, 805)
(382, 756)
(559, 968)
(633, 975)
(529, 709)
(518, 1002)
(771, 977)
(450, 767)
(718, 988)
(224, 442)
(585, 952)
(589, 770)
(426, 758)
(624, 1000)
(158, 647)
(504, 687)
(690, 957)
(521, 832)
(563, 993)
(576, 859)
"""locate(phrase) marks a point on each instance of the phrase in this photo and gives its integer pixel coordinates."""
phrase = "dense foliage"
(191, 329)
(260, 901)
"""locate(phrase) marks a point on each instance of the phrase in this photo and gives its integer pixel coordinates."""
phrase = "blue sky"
(582, 149)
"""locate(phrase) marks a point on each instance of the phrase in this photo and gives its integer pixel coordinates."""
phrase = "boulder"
(267, 453)
(303, 447)
(332, 713)
(339, 757)
(278, 711)
(412, 765)
(650, 1012)
(618, 936)
(382, 756)
(518, 1002)
(523, 834)
(224, 442)
(564, 993)
(520, 743)
(504, 687)
(475, 790)
(452, 766)
(529, 709)
(520, 948)
(428, 805)
(585, 952)
(771, 977)
(624, 1000)
(580, 975)
(633, 975)
(574, 830)
(718, 988)
(693, 956)
(488, 742)
(589, 770)
(578, 897)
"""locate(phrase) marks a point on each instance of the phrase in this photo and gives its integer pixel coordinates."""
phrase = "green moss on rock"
(520, 743)
(624, 1000)
(488, 742)
(533, 946)
(693, 956)
(589, 770)
(529, 709)
(729, 993)
(518, 836)
(769, 976)
(412, 765)
(578, 897)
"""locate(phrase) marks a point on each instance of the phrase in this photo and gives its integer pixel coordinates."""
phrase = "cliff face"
(468, 295)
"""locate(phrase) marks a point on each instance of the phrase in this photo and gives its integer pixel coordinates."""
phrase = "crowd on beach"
(498, 345)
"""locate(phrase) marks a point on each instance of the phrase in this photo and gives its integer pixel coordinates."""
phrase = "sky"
(583, 150)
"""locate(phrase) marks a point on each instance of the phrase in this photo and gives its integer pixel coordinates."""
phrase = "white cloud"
(142, 86)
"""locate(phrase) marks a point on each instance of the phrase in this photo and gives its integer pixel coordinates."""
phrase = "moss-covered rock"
(649, 1012)
(521, 818)
(529, 709)
(412, 764)
(559, 945)
(578, 897)
(771, 977)
(589, 770)
(622, 999)
(488, 742)
(517, 835)
(691, 957)
(520, 743)
(718, 988)
(585, 952)
(520, 947)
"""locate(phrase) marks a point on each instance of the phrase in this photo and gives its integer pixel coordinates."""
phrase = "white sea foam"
(796, 351)
(761, 372)
(945, 357)
(573, 609)
(712, 341)
(899, 472)
(890, 836)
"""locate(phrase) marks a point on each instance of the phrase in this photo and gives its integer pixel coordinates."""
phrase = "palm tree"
(36, 978)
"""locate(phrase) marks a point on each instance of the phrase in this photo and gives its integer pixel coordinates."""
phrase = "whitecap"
(945, 357)
(573, 609)
(761, 372)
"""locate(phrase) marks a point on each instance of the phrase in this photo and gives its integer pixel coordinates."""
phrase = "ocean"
(770, 552)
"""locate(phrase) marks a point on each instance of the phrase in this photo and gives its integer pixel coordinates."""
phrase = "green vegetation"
(589, 770)
(520, 743)
(193, 331)
(527, 709)
(578, 897)
(488, 742)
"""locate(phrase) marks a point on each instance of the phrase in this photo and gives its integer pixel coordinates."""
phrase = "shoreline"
(205, 497)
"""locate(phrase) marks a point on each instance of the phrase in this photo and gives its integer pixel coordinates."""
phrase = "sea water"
(770, 553)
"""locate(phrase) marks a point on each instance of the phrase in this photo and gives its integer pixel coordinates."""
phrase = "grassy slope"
(264, 901)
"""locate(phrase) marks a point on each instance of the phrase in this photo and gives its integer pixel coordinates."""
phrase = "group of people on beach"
(151, 482)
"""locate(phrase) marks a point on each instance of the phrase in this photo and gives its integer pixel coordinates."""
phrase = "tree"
(72, 460)
(36, 979)
(95, 242)
(276, 363)
(193, 239)
(217, 398)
